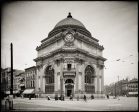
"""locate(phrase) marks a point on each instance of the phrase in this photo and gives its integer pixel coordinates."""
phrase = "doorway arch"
(69, 87)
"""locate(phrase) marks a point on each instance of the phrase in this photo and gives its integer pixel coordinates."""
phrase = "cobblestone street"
(124, 104)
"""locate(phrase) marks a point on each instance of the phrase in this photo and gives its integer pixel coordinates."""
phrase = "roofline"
(31, 67)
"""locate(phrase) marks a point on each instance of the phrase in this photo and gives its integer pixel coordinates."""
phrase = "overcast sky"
(114, 24)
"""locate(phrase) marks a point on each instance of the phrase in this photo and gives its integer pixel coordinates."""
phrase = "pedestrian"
(29, 97)
(56, 97)
(107, 96)
(71, 98)
(92, 96)
(48, 97)
(62, 96)
(77, 98)
(85, 98)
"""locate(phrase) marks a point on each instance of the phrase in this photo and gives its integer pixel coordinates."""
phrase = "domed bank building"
(70, 62)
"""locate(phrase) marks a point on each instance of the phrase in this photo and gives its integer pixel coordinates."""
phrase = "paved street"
(124, 104)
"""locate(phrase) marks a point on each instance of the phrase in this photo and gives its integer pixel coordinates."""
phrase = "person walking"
(71, 98)
(107, 96)
(56, 97)
(48, 97)
(78, 98)
(85, 98)
(92, 96)
(29, 97)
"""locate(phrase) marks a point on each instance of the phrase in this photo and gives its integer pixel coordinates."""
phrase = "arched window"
(49, 73)
(89, 74)
(89, 79)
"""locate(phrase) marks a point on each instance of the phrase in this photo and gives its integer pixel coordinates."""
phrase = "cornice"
(43, 45)
(86, 40)
(76, 50)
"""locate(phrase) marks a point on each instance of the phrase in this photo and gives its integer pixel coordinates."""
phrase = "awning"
(28, 91)
(133, 93)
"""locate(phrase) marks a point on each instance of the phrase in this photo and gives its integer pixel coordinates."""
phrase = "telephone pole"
(11, 89)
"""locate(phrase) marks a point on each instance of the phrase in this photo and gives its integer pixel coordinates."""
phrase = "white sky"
(114, 24)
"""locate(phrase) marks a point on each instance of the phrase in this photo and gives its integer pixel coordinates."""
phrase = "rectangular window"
(49, 89)
(89, 89)
(69, 66)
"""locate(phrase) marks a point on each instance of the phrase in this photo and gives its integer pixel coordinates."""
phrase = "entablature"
(88, 41)
(77, 53)
(49, 42)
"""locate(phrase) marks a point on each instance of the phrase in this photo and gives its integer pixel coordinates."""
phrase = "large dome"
(69, 21)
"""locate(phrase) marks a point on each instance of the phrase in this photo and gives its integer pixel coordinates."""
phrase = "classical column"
(55, 78)
(41, 79)
(83, 78)
(43, 83)
(38, 82)
(102, 80)
(61, 85)
(99, 84)
(95, 82)
(58, 81)
(61, 78)
(77, 79)
(98, 79)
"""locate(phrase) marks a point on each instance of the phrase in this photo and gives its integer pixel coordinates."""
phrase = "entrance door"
(69, 92)
(69, 87)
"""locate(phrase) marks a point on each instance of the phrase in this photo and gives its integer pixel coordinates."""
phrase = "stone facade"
(70, 61)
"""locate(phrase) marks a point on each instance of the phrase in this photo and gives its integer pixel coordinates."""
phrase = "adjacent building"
(20, 82)
(124, 87)
(133, 87)
(30, 81)
(70, 61)
(6, 81)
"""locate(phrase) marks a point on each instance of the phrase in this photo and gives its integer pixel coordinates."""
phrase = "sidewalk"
(125, 103)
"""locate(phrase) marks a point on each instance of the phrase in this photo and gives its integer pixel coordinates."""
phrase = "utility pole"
(11, 89)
